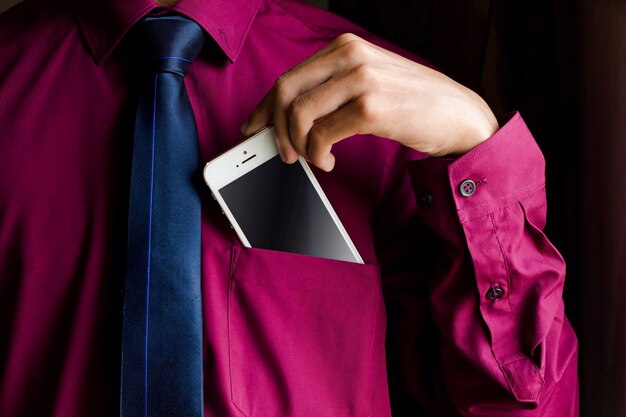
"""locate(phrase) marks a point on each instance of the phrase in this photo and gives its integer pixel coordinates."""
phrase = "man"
(473, 320)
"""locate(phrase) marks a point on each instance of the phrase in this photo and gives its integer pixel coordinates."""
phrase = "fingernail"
(244, 127)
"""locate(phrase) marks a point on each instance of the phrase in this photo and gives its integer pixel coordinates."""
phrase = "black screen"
(278, 208)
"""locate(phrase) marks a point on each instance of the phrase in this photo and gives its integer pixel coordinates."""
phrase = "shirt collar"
(105, 22)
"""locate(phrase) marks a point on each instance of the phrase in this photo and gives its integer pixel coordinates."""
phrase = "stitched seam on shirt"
(508, 380)
(372, 372)
(505, 262)
(234, 258)
(473, 155)
(516, 359)
(521, 197)
(140, 14)
(539, 184)
(374, 351)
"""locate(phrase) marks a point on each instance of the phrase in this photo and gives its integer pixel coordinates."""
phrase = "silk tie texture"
(161, 371)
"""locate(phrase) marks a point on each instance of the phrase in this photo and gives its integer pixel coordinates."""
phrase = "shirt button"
(495, 292)
(467, 188)
(424, 199)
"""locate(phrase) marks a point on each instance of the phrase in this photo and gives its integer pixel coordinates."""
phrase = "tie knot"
(169, 43)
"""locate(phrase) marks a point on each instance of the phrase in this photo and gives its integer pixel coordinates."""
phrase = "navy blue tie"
(162, 336)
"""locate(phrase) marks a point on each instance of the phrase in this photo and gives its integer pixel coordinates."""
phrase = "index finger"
(301, 78)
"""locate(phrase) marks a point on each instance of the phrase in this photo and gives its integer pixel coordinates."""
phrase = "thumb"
(260, 116)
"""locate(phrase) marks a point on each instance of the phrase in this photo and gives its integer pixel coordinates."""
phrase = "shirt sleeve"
(495, 293)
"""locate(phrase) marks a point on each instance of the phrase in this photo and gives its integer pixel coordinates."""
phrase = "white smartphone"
(277, 206)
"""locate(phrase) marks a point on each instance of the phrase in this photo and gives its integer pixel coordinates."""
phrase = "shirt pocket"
(304, 333)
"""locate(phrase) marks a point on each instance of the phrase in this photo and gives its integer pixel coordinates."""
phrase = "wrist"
(476, 129)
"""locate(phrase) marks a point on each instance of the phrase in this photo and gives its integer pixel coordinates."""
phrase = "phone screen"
(278, 208)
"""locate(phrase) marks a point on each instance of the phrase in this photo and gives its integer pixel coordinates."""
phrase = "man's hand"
(354, 87)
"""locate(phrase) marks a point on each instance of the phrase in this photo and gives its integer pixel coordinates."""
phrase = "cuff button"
(495, 292)
(467, 188)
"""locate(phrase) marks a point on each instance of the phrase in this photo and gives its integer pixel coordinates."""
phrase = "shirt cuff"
(500, 171)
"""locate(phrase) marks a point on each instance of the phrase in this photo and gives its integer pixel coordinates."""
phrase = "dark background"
(562, 64)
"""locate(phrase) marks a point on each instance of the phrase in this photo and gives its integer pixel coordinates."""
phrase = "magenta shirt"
(419, 329)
